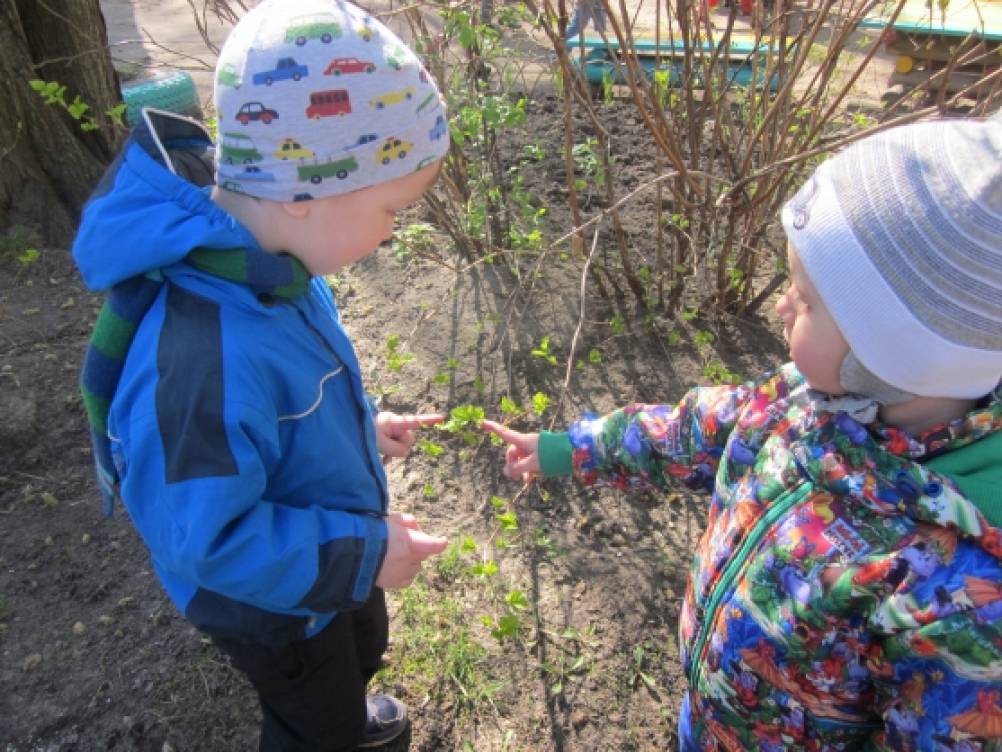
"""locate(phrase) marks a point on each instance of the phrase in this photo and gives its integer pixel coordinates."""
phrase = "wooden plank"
(942, 49)
(959, 81)
(960, 18)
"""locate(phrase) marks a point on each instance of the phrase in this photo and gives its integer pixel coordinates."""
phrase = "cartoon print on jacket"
(844, 595)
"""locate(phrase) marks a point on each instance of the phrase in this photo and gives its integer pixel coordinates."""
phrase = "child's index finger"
(420, 421)
(503, 433)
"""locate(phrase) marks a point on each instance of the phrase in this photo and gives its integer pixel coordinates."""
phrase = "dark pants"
(312, 692)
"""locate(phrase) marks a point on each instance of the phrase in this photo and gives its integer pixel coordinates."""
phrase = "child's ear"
(296, 209)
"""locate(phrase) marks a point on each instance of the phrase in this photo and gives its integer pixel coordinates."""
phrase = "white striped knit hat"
(315, 98)
(901, 234)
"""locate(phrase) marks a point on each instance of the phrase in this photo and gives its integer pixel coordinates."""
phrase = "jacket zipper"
(327, 346)
(779, 508)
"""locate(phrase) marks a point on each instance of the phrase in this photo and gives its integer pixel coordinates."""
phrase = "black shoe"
(387, 719)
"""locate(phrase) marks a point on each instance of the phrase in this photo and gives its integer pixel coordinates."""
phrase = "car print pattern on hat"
(321, 93)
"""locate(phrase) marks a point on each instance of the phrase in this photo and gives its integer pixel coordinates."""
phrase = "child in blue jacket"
(225, 399)
(847, 591)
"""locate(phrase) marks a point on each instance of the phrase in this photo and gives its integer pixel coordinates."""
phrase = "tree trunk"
(48, 163)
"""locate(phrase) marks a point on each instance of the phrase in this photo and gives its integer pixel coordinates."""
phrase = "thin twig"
(582, 306)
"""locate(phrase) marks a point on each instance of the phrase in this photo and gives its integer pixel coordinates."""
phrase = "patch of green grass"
(450, 565)
(437, 653)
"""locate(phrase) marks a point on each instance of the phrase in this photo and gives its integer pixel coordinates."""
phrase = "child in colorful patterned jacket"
(847, 591)
(224, 395)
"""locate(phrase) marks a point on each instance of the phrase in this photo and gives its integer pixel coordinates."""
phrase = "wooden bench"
(925, 39)
(746, 61)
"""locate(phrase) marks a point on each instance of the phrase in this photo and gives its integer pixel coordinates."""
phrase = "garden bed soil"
(94, 657)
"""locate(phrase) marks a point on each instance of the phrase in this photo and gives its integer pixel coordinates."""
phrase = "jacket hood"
(152, 207)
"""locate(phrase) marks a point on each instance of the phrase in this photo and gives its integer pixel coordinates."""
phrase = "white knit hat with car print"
(901, 235)
(315, 98)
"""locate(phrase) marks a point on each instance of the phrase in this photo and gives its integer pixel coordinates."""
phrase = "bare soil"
(94, 657)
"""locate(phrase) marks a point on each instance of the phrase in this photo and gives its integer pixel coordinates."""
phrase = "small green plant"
(862, 120)
(18, 245)
(510, 409)
(542, 350)
(587, 163)
(443, 377)
(534, 152)
(702, 339)
(395, 359)
(462, 421)
(542, 540)
(617, 325)
(540, 401)
(484, 569)
(506, 627)
(662, 84)
(412, 240)
(430, 448)
(517, 600)
(561, 670)
(507, 519)
(607, 82)
(463, 416)
(428, 491)
(595, 356)
(27, 257)
(717, 373)
(636, 672)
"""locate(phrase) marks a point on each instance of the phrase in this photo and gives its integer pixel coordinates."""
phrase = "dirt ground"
(94, 657)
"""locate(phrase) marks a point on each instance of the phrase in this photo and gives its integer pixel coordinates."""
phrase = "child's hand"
(406, 548)
(395, 433)
(522, 456)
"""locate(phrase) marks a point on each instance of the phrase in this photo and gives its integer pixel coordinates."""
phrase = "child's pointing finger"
(524, 441)
(421, 421)
(522, 454)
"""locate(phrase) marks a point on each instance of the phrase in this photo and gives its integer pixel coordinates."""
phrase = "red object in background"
(744, 5)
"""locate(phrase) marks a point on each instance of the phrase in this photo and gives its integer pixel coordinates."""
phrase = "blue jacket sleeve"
(221, 532)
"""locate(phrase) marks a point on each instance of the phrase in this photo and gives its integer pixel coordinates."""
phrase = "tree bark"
(48, 164)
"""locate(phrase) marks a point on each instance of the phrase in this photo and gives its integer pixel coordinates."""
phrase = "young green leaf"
(539, 403)
(430, 448)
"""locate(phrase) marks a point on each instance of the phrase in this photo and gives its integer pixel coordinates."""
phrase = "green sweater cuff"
(555, 453)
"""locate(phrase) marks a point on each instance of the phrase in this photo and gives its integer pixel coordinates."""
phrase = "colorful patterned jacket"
(847, 591)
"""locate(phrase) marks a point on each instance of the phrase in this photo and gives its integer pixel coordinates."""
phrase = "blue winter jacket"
(240, 428)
